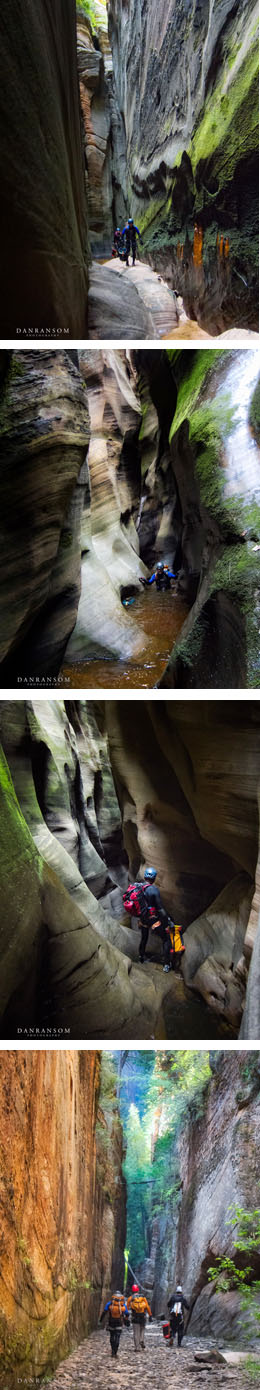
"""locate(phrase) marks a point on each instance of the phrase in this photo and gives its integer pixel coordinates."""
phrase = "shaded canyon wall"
(100, 478)
(217, 1161)
(186, 84)
(101, 797)
(44, 235)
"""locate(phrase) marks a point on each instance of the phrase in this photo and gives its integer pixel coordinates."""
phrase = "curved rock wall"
(44, 442)
(186, 83)
(60, 1185)
(216, 1156)
(44, 251)
(77, 532)
(178, 792)
(104, 137)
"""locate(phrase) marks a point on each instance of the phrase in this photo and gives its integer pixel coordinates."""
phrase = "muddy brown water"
(161, 617)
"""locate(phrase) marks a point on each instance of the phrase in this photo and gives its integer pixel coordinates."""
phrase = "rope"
(138, 1281)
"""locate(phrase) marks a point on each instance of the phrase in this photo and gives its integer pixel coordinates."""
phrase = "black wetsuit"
(153, 899)
(130, 239)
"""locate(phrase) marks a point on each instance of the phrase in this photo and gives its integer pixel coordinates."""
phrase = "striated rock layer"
(44, 442)
(217, 1157)
(44, 251)
(99, 795)
(186, 83)
(60, 1188)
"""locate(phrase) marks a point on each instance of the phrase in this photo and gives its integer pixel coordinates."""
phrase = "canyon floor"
(135, 302)
(92, 1365)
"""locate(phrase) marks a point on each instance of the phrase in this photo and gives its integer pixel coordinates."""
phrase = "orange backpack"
(176, 941)
(138, 1304)
(116, 1307)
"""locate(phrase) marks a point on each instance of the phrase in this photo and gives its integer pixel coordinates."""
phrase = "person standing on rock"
(117, 1313)
(129, 231)
(138, 1307)
(176, 1304)
(161, 577)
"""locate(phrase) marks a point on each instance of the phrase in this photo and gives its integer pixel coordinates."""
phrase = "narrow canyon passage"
(91, 794)
(148, 116)
(128, 1167)
(117, 464)
(91, 1366)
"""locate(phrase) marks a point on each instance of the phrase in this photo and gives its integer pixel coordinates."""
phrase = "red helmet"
(135, 1288)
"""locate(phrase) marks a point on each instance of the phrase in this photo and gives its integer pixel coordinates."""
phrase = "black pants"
(131, 246)
(160, 931)
(177, 1325)
(115, 1334)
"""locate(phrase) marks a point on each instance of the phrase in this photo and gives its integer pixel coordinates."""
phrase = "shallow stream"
(160, 616)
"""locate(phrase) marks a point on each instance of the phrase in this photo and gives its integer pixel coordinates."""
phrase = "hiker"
(143, 900)
(138, 1307)
(118, 241)
(117, 1313)
(129, 232)
(176, 1304)
(162, 577)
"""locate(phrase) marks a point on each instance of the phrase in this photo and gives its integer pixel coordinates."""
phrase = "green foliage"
(96, 12)
(252, 1366)
(254, 411)
(199, 365)
(173, 1092)
(227, 1274)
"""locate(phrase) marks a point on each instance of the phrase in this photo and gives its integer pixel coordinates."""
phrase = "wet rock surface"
(187, 86)
(92, 1365)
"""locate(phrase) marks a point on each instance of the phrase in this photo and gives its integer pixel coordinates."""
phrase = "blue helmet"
(150, 874)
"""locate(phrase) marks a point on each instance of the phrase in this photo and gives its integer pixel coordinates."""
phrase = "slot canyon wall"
(44, 233)
(216, 1157)
(187, 87)
(97, 796)
(103, 132)
(107, 466)
(62, 1206)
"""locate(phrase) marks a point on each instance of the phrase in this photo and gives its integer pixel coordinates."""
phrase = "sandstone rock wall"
(110, 549)
(104, 136)
(180, 810)
(59, 1188)
(44, 442)
(63, 966)
(44, 250)
(186, 83)
(215, 1155)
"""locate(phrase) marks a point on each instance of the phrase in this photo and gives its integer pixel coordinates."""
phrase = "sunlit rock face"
(190, 1238)
(186, 82)
(43, 262)
(44, 442)
(59, 1229)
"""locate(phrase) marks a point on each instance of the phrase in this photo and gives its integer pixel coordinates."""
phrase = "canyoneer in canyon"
(161, 576)
(138, 1307)
(143, 900)
(117, 1314)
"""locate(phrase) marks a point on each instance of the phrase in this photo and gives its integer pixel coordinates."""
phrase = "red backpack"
(134, 900)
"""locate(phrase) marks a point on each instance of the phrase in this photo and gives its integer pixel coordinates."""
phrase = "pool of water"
(161, 617)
